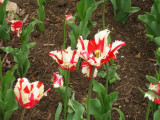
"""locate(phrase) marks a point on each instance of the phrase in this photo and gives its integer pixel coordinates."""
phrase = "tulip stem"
(103, 15)
(64, 33)
(23, 112)
(66, 93)
(147, 111)
(89, 94)
(107, 78)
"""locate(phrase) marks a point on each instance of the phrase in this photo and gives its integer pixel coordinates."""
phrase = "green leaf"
(95, 106)
(29, 30)
(62, 90)
(58, 111)
(8, 79)
(31, 45)
(2, 105)
(81, 8)
(8, 114)
(156, 115)
(114, 5)
(109, 100)
(141, 90)
(8, 49)
(152, 79)
(41, 12)
(75, 109)
(102, 74)
(134, 9)
(10, 98)
(98, 87)
(4, 33)
(126, 5)
(157, 41)
(120, 114)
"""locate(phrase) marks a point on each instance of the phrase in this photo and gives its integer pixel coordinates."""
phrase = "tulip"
(57, 80)
(69, 18)
(16, 26)
(87, 70)
(1, 1)
(29, 94)
(67, 59)
(154, 93)
(97, 52)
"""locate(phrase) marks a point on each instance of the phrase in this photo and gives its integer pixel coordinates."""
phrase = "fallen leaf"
(138, 55)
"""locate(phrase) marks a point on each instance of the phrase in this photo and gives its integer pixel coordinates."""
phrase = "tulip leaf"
(28, 30)
(157, 41)
(75, 109)
(9, 108)
(156, 114)
(98, 87)
(8, 114)
(4, 34)
(151, 79)
(122, 9)
(58, 111)
(95, 106)
(10, 98)
(62, 90)
(120, 114)
(152, 21)
(109, 99)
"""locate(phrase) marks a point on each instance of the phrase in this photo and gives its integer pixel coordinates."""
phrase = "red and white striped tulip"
(16, 26)
(29, 94)
(69, 18)
(87, 70)
(57, 80)
(97, 52)
(67, 59)
(1, 1)
(154, 93)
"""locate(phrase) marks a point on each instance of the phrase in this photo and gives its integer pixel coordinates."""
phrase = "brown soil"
(132, 71)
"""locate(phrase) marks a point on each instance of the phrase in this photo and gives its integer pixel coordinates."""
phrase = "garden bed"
(136, 59)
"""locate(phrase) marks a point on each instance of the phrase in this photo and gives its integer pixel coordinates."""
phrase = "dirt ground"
(136, 58)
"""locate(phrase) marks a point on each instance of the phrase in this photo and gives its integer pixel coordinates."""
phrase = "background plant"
(122, 9)
(21, 54)
(85, 9)
(41, 15)
(8, 102)
(4, 29)
(152, 22)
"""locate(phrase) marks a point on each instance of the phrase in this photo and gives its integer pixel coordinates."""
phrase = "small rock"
(13, 7)
(138, 55)
(126, 100)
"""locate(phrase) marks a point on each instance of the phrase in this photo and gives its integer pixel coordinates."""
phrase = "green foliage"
(21, 55)
(122, 9)
(85, 9)
(7, 95)
(62, 90)
(113, 76)
(75, 109)
(152, 22)
(101, 107)
(4, 29)
(58, 111)
(41, 15)
(157, 114)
